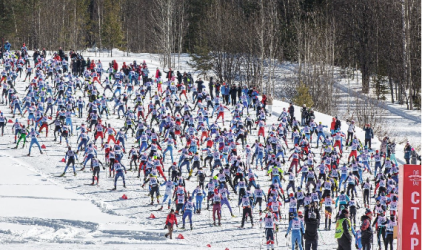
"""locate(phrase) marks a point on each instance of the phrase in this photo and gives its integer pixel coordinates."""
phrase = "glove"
(285, 235)
(165, 226)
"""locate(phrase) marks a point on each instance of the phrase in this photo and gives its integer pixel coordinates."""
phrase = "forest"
(242, 41)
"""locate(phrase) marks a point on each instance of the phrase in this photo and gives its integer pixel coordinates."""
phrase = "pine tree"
(112, 34)
(302, 96)
(201, 60)
(381, 87)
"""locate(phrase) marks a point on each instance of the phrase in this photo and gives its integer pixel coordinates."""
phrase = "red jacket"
(171, 218)
(264, 99)
(333, 124)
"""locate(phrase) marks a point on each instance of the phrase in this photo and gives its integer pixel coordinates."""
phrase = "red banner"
(410, 200)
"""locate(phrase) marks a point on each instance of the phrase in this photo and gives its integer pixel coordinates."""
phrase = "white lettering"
(415, 229)
(413, 198)
(414, 242)
(415, 212)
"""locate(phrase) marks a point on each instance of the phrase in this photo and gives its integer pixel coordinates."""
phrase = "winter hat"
(344, 211)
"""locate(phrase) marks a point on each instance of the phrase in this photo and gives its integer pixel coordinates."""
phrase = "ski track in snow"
(47, 212)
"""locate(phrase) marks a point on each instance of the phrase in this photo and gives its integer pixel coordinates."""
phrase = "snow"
(399, 123)
(44, 211)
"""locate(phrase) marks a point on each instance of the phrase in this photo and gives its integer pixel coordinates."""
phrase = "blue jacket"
(369, 133)
(7, 46)
(225, 90)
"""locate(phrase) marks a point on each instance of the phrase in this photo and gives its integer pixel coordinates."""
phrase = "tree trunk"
(390, 81)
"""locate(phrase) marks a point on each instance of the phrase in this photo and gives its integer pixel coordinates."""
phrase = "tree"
(201, 60)
(303, 96)
(112, 35)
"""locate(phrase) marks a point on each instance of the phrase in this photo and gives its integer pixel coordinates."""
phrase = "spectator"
(233, 92)
(369, 134)
(311, 231)
(270, 104)
(414, 156)
(7, 46)
(199, 85)
(304, 115)
(407, 152)
(343, 231)
(366, 230)
(169, 74)
(291, 110)
(338, 124)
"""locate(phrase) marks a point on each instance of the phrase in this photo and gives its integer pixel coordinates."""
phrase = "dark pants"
(247, 212)
(388, 240)
(366, 244)
(344, 244)
(368, 141)
(311, 244)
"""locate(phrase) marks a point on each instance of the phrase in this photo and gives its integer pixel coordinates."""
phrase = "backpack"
(159, 73)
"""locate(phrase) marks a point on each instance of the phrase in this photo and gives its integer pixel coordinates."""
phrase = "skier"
(269, 225)
(298, 229)
(33, 134)
(170, 221)
(71, 160)
(247, 210)
(188, 209)
(119, 169)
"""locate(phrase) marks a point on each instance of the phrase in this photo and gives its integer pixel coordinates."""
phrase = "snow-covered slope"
(42, 211)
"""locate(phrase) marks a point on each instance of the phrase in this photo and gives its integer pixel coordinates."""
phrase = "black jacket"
(311, 231)
(233, 91)
(338, 124)
(366, 234)
(292, 110)
(200, 85)
(211, 84)
(304, 112)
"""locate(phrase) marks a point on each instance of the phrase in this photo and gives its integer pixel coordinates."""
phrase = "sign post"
(410, 201)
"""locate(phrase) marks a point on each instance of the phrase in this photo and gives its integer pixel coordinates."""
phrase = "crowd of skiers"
(221, 135)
